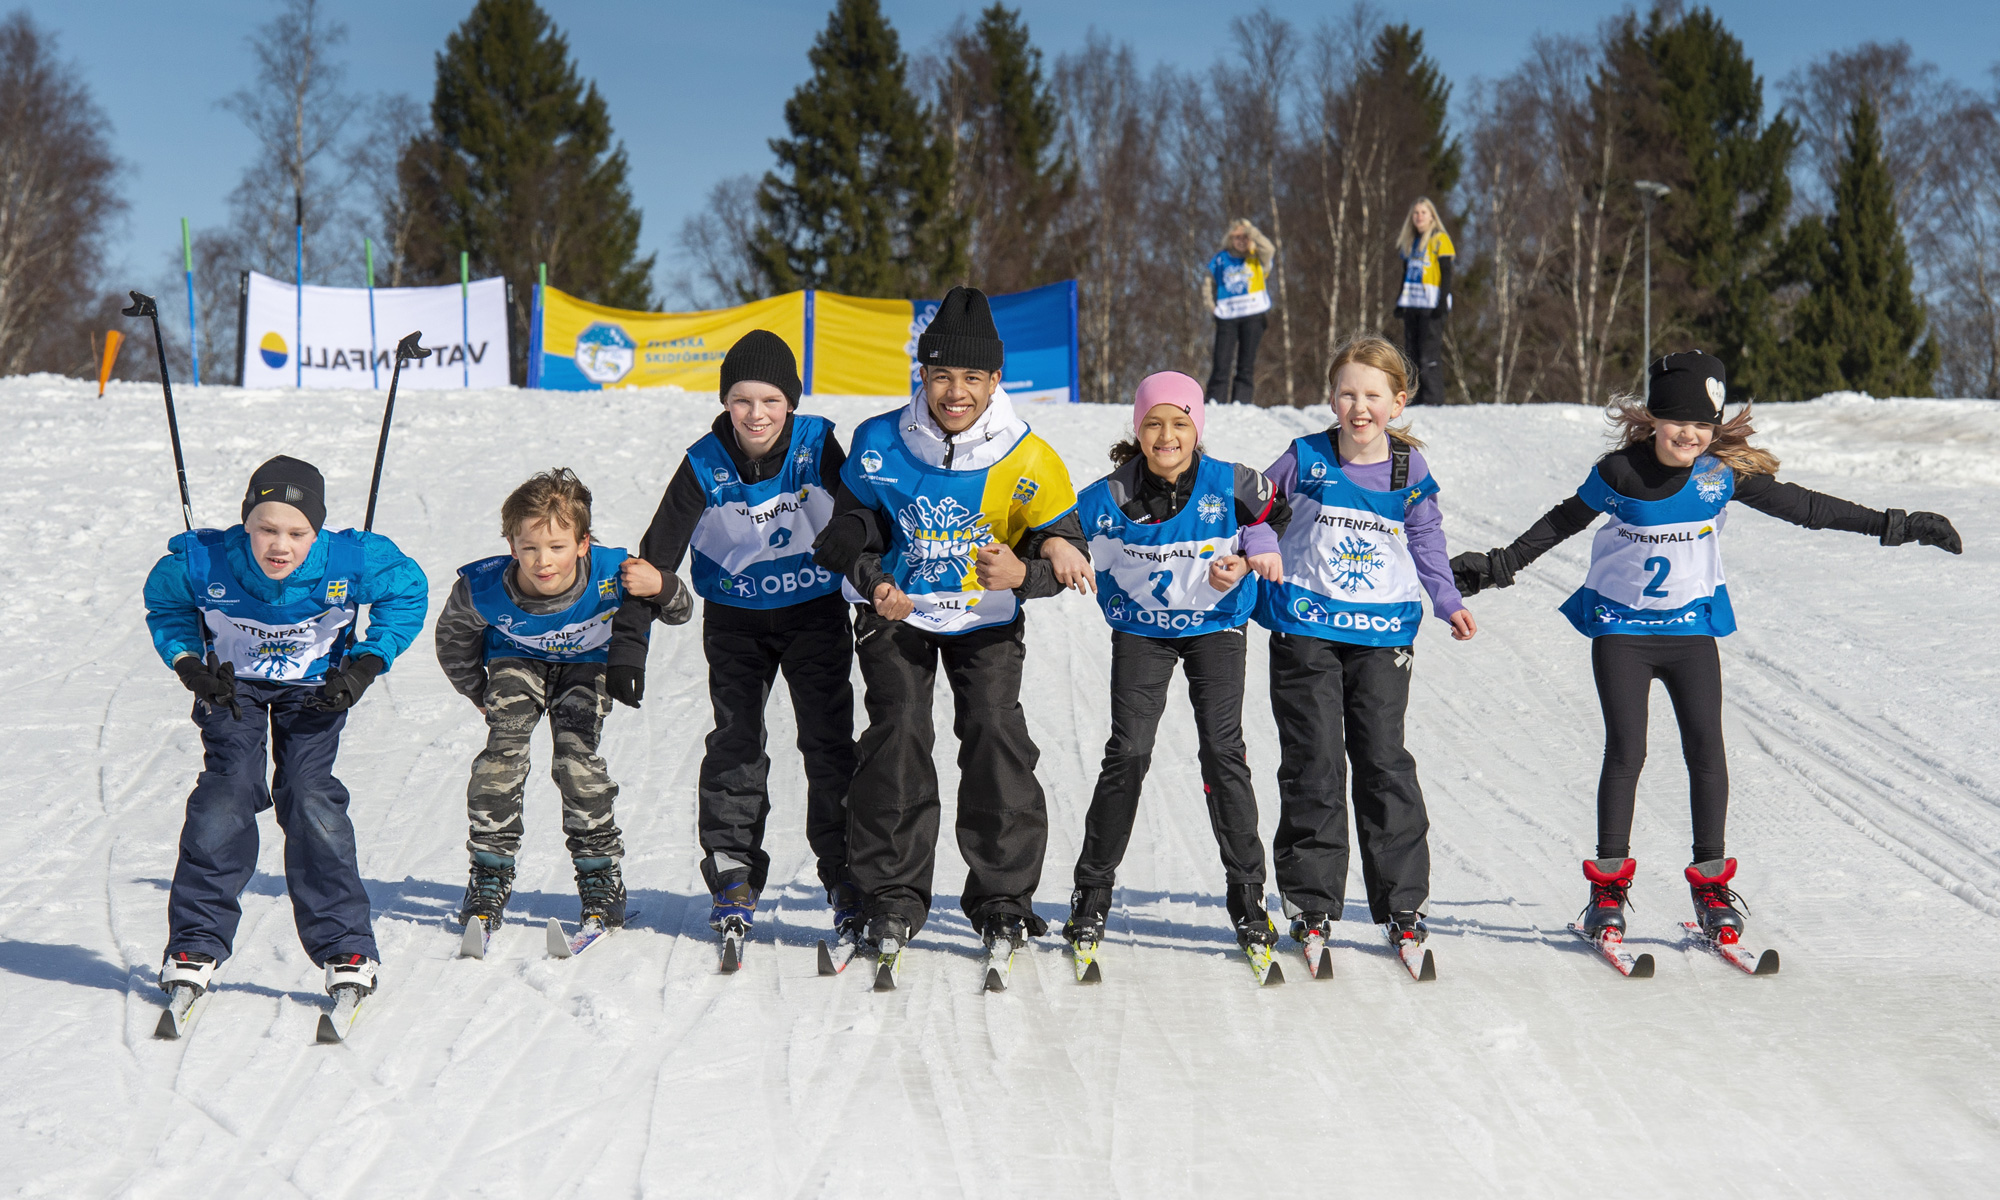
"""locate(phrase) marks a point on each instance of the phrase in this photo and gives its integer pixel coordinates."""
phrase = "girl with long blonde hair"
(1425, 298)
(1654, 603)
(1236, 277)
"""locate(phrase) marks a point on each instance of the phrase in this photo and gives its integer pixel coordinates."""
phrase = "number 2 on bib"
(1660, 568)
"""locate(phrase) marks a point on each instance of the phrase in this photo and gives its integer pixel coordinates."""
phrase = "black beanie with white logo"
(1689, 386)
(962, 334)
(287, 480)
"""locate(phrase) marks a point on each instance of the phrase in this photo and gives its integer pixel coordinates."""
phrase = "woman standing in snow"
(1237, 276)
(1363, 549)
(1173, 536)
(1654, 603)
(1425, 300)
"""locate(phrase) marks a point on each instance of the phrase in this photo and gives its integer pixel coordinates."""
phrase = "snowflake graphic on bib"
(1711, 484)
(943, 536)
(1210, 509)
(1354, 564)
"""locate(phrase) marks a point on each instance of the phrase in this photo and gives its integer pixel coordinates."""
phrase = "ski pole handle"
(144, 306)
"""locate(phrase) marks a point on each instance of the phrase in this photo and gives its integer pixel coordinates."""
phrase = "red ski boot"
(1610, 879)
(1713, 913)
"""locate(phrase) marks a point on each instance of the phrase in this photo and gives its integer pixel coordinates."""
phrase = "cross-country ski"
(477, 938)
(569, 945)
(1083, 957)
(1610, 946)
(1736, 954)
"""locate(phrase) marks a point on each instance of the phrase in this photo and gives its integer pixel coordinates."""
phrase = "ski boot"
(886, 933)
(1610, 880)
(601, 887)
(1089, 907)
(187, 968)
(1247, 914)
(734, 902)
(486, 892)
(1406, 928)
(1713, 912)
(1308, 925)
(848, 918)
(354, 971)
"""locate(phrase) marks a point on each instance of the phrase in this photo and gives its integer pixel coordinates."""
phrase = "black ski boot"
(486, 892)
(1709, 883)
(886, 927)
(1311, 925)
(1246, 912)
(1089, 908)
(1406, 927)
(601, 887)
(1610, 880)
(845, 899)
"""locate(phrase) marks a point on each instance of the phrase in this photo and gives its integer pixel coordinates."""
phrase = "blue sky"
(696, 89)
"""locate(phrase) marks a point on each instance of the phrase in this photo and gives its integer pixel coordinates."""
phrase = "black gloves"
(214, 684)
(1926, 528)
(343, 685)
(1474, 572)
(844, 540)
(627, 685)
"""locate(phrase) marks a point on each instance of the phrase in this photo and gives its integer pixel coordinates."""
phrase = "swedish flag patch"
(336, 591)
(607, 588)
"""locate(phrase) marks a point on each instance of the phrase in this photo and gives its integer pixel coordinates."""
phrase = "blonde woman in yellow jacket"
(1425, 298)
(1237, 275)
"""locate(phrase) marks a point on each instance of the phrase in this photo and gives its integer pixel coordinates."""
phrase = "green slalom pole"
(194, 344)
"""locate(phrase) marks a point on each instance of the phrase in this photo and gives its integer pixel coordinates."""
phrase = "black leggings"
(1625, 667)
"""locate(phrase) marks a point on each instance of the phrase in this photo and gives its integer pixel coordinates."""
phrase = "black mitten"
(1474, 572)
(627, 685)
(213, 683)
(1925, 528)
(344, 684)
(844, 540)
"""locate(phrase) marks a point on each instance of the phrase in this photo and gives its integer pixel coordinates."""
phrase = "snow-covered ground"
(1865, 740)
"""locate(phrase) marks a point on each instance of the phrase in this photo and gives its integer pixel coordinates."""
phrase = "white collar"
(986, 442)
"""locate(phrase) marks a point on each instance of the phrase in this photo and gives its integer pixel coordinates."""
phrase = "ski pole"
(407, 348)
(143, 306)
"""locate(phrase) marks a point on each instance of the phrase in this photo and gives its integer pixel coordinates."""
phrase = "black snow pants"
(1626, 666)
(1233, 366)
(1336, 703)
(893, 806)
(747, 649)
(1141, 668)
(1423, 342)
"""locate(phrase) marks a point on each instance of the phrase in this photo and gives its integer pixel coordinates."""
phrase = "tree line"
(1837, 234)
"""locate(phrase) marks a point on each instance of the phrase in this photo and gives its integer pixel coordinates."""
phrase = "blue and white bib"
(753, 546)
(1152, 579)
(280, 643)
(1349, 573)
(1656, 565)
(580, 633)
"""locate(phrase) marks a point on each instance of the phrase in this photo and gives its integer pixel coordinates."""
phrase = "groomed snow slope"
(1863, 731)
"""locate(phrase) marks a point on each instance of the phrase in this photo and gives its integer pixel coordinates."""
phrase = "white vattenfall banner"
(336, 350)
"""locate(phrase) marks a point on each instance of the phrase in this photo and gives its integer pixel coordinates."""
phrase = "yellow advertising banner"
(584, 346)
(861, 347)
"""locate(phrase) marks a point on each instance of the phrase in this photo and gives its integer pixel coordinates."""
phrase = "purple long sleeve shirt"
(1425, 522)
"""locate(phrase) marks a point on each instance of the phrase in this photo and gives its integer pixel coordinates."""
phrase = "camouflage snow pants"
(518, 691)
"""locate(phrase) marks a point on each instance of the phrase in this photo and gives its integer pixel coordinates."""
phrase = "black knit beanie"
(962, 334)
(762, 357)
(1689, 386)
(290, 481)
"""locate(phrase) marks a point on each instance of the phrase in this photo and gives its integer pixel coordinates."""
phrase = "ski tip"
(826, 966)
(1323, 970)
(1091, 973)
(885, 978)
(1767, 963)
(732, 955)
(995, 981)
(473, 944)
(1642, 967)
(558, 941)
(327, 1035)
(168, 1029)
(1274, 976)
(1427, 972)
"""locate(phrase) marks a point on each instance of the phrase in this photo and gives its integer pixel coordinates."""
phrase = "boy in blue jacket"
(258, 620)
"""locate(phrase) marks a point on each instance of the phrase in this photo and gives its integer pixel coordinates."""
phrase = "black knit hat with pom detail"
(1689, 386)
(762, 357)
(962, 334)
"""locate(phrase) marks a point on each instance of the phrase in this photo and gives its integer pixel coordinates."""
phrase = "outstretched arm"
(1474, 572)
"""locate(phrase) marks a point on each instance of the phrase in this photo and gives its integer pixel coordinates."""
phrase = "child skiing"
(951, 514)
(749, 499)
(522, 634)
(1173, 533)
(258, 622)
(1654, 603)
(1363, 548)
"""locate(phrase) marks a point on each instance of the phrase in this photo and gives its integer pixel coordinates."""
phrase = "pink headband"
(1169, 387)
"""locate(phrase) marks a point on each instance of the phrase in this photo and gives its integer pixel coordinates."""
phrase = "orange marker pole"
(112, 342)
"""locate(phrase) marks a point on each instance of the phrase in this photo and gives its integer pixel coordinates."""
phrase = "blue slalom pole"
(299, 300)
(194, 343)
(368, 248)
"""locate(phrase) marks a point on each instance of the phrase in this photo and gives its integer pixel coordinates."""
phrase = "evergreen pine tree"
(1413, 80)
(859, 203)
(519, 169)
(1860, 327)
(1002, 118)
(1690, 106)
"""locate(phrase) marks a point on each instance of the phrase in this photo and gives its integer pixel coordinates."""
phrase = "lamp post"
(1648, 193)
